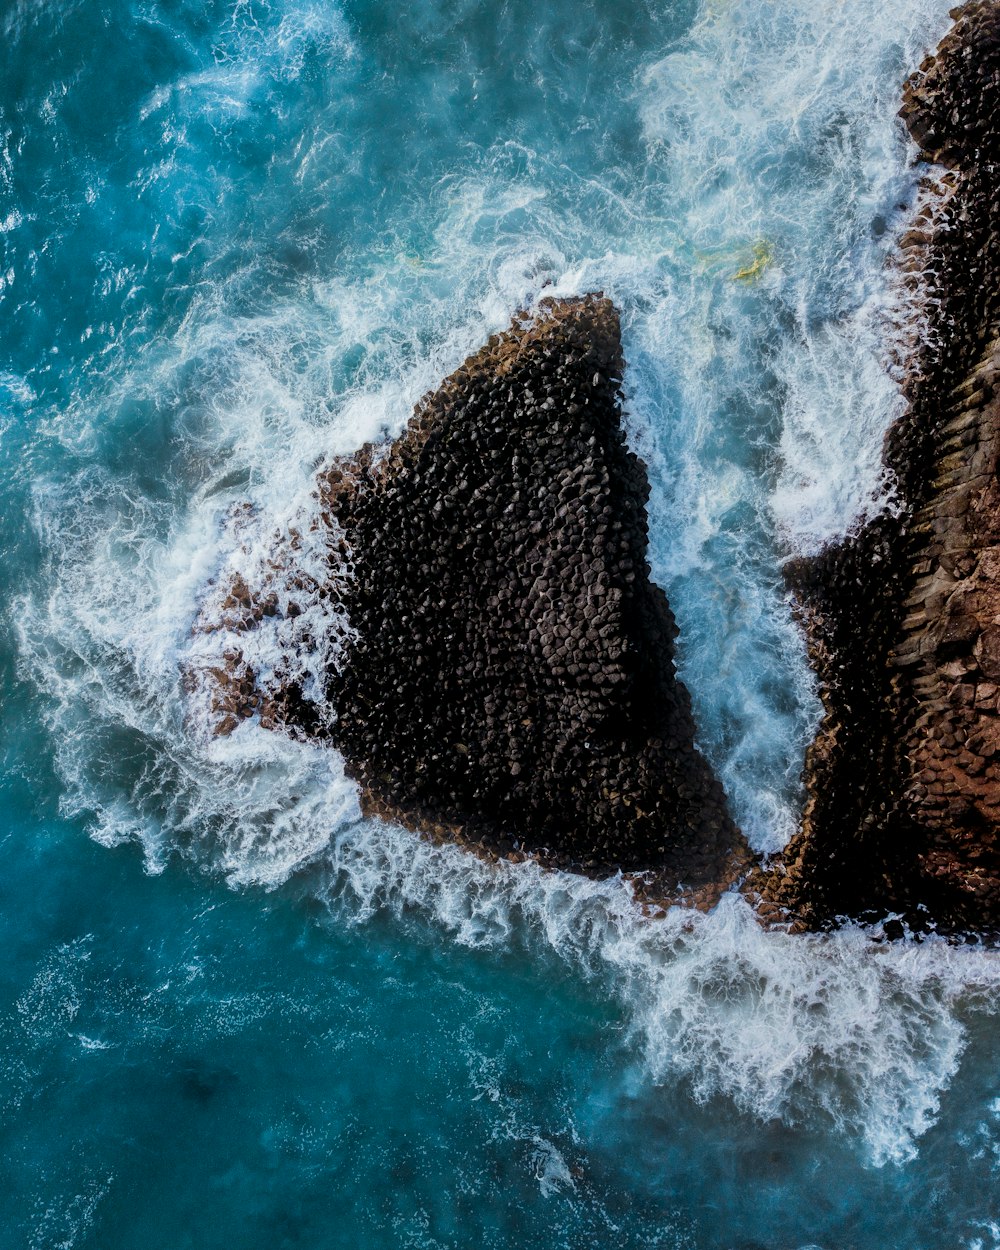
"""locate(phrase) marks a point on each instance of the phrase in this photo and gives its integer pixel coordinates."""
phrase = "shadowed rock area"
(903, 618)
(509, 677)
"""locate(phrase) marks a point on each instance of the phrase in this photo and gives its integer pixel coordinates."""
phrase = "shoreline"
(903, 798)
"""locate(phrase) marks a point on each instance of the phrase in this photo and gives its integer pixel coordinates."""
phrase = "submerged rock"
(903, 618)
(508, 677)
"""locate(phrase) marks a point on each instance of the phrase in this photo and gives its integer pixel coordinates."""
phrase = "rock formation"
(509, 676)
(903, 618)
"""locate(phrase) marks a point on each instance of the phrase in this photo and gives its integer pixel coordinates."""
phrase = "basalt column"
(510, 676)
(903, 619)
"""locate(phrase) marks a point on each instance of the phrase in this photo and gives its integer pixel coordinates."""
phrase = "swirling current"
(241, 235)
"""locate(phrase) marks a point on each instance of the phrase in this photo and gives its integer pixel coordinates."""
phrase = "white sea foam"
(775, 127)
(292, 568)
(248, 57)
(759, 405)
(68, 1221)
(839, 1029)
(112, 641)
(778, 125)
(550, 1168)
(990, 1238)
(111, 651)
(842, 1030)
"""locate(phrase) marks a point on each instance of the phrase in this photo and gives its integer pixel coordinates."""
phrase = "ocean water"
(241, 236)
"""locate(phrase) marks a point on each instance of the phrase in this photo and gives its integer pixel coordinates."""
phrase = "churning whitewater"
(306, 217)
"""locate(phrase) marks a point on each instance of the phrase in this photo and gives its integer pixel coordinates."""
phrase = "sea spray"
(741, 220)
(842, 1030)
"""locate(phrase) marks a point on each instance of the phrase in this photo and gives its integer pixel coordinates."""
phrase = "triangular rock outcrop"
(509, 679)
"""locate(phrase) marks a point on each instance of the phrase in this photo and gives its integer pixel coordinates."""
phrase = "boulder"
(508, 678)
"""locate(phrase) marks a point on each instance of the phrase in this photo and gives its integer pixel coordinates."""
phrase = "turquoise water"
(239, 237)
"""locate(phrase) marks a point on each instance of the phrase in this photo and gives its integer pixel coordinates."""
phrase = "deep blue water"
(238, 237)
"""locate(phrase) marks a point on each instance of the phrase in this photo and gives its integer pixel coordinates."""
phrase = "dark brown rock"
(903, 808)
(511, 681)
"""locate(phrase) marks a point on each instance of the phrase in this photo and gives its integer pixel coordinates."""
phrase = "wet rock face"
(943, 101)
(903, 619)
(510, 679)
(948, 659)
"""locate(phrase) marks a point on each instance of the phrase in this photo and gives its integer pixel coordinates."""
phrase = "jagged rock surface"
(903, 619)
(510, 680)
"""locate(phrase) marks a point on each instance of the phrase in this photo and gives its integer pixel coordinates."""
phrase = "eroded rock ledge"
(903, 619)
(510, 679)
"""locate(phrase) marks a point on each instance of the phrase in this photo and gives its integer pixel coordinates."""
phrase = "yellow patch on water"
(763, 254)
